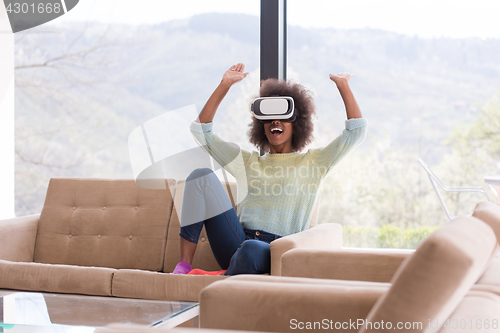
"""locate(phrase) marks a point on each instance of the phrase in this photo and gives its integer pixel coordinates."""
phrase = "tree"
(482, 134)
(475, 154)
(57, 108)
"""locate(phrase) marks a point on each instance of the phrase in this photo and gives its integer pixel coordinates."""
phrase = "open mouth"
(276, 131)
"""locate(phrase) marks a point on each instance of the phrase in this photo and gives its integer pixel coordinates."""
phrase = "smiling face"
(279, 135)
(302, 126)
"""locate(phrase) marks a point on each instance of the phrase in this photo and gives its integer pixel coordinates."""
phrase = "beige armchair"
(449, 276)
(451, 283)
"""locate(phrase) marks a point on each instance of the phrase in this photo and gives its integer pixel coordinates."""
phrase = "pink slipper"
(182, 268)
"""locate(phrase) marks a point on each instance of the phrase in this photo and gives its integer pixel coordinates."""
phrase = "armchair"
(435, 281)
(432, 285)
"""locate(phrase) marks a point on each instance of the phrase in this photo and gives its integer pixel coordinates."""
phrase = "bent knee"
(198, 173)
(254, 246)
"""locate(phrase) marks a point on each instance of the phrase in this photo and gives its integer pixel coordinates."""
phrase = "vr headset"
(267, 109)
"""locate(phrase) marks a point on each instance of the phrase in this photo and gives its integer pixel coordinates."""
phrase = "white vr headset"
(267, 109)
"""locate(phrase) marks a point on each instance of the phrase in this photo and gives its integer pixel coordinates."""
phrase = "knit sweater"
(277, 193)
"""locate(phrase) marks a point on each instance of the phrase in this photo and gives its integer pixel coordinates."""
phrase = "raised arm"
(351, 106)
(228, 155)
(233, 75)
(353, 134)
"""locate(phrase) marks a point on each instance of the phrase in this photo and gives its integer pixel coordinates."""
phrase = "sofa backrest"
(203, 257)
(104, 223)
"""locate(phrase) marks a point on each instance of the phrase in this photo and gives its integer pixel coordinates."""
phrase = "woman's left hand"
(341, 78)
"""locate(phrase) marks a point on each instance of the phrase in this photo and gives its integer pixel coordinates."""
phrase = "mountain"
(101, 81)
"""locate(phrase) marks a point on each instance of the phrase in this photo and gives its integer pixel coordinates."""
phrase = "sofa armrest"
(273, 304)
(17, 238)
(375, 265)
(322, 236)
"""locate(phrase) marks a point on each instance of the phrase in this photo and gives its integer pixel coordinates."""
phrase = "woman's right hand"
(234, 74)
(231, 76)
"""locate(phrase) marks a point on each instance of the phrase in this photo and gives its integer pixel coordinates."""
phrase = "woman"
(279, 189)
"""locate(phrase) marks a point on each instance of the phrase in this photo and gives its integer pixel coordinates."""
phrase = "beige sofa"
(451, 283)
(113, 238)
(454, 274)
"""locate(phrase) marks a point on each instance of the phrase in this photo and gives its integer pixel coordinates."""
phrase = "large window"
(426, 75)
(87, 79)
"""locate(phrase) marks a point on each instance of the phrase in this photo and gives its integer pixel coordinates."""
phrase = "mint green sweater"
(277, 192)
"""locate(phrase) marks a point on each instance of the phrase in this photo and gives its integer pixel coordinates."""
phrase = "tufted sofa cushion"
(103, 223)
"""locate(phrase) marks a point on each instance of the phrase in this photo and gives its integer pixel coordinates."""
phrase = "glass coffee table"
(45, 312)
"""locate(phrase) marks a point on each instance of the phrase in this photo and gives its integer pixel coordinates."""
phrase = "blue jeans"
(238, 250)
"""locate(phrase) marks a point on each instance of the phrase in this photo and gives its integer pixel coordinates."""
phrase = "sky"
(423, 18)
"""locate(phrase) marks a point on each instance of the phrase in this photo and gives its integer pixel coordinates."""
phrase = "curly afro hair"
(304, 107)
